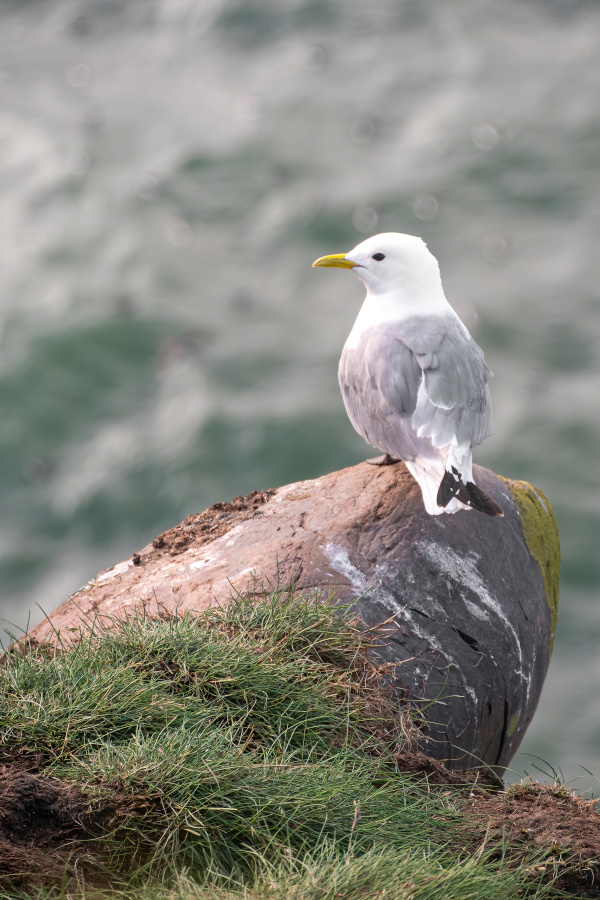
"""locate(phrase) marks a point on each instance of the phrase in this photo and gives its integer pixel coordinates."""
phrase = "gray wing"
(454, 398)
(412, 384)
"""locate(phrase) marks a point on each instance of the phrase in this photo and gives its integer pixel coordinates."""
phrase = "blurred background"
(169, 169)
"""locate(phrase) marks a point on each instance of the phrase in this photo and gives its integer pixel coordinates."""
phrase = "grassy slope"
(252, 752)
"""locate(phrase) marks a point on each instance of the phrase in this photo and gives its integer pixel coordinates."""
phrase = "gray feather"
(415, 385)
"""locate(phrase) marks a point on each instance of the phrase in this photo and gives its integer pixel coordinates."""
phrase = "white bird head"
(391, 263)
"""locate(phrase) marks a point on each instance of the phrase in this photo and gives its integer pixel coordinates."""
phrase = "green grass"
(250, 752)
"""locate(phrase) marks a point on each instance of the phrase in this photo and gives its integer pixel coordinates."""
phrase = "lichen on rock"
(541, 536)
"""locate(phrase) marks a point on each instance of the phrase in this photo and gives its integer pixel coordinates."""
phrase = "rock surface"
(472, 600)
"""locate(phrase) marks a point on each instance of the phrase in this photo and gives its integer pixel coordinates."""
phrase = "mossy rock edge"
(541, 536)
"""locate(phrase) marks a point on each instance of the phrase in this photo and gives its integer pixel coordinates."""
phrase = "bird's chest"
(357, 368)
(366, 366)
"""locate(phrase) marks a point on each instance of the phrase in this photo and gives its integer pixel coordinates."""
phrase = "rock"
(471, 600)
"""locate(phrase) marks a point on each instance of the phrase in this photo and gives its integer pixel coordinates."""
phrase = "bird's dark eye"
(378, 256)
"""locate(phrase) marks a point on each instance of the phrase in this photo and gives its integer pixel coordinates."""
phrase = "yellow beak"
(336, 259)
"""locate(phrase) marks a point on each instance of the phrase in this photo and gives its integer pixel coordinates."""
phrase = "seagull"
(414, 382)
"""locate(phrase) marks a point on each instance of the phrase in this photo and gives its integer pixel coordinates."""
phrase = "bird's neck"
(396, 306)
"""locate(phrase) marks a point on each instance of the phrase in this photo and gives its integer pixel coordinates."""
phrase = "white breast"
(396, 306)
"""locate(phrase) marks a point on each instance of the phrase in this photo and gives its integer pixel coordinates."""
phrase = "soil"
(200, 528)
(44, 825)
(550, 819)
(565, 829)
(51, 831)
(437, 774)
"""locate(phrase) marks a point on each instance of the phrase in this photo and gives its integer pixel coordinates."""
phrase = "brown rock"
(471, 611)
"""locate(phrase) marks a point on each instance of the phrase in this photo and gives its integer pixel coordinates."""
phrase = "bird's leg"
(385, 460)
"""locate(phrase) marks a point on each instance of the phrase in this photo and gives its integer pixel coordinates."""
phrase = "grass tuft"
(251, 751)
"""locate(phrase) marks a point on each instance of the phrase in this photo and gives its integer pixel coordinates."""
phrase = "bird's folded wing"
(393, 371)
(453, 403)
(420, 378)
(431, 370)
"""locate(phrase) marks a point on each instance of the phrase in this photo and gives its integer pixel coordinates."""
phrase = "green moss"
(541, 536)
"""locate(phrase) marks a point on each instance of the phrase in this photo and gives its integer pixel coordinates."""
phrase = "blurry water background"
(169, 169)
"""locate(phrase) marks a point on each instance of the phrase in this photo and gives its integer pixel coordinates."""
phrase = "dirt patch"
(548, 819)
(43, 825)
(200, 528)
(551, 819)
(436, 773)
(50, 830)
(13, 762)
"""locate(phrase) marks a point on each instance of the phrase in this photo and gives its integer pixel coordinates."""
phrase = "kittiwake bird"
(414, 381)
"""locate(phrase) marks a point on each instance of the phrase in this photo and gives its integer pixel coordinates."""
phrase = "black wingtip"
(480, 501)
(450, 486)
(469, 494)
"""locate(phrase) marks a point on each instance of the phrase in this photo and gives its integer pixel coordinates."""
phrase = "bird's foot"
(385, 460)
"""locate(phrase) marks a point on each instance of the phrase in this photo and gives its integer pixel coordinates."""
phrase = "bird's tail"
(445, 491)
(429, 475)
